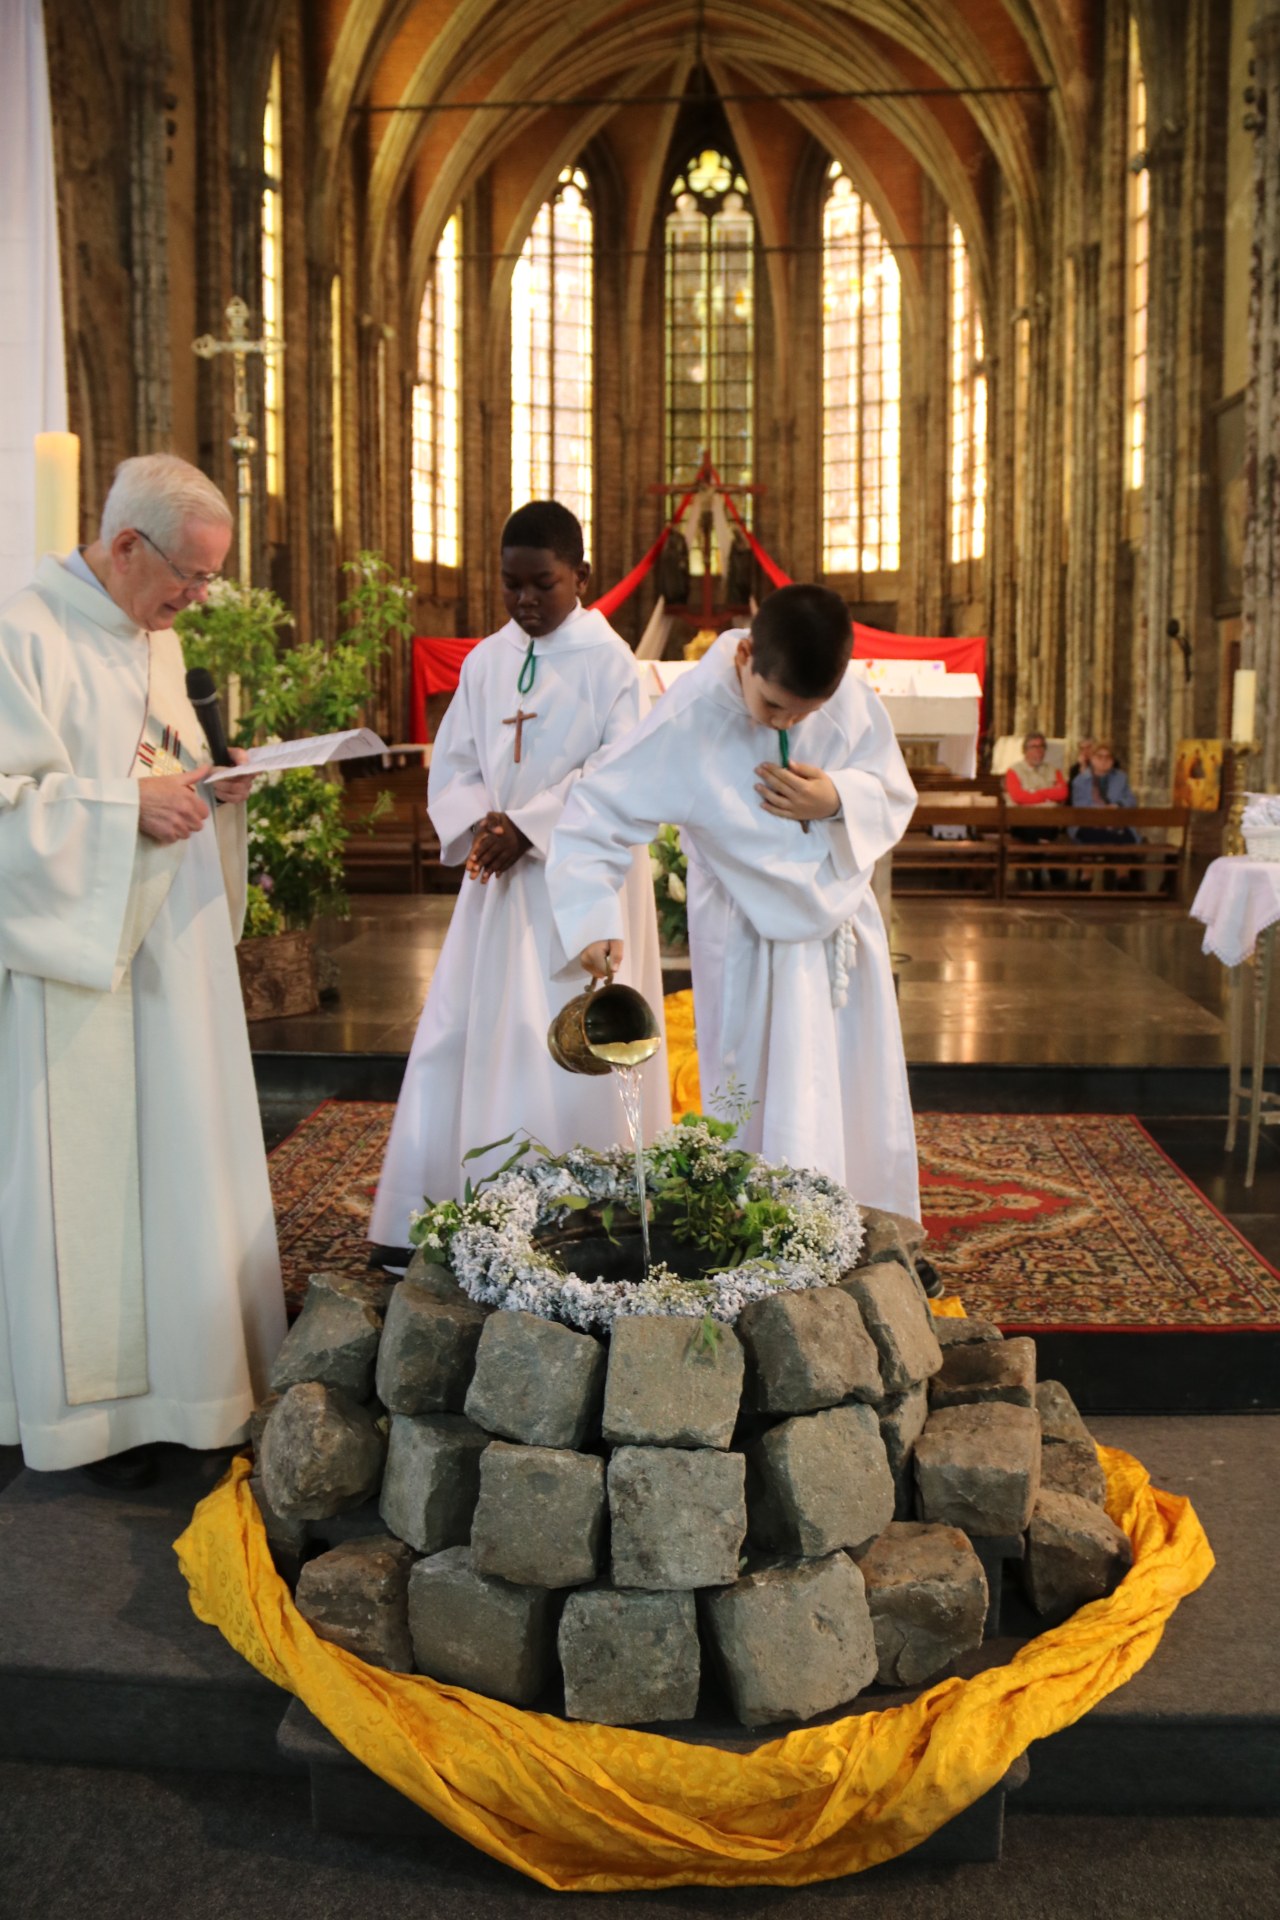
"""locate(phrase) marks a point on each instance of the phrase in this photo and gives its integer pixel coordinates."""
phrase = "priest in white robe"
(139, 1276)
(792, 978)
(535, 701)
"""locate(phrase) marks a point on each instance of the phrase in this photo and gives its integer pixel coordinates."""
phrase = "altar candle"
(1243, 700)
(57, 493)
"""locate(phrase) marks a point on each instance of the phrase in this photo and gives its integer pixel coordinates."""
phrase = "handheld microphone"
(203, 696)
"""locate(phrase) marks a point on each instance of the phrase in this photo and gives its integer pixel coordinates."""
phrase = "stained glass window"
(1139, 267)
(710, 237)
(273, 284)
(968, 476)
(551, 354)
(861, 386)
(435, 409)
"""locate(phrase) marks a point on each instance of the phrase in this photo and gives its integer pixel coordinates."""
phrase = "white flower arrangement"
(801, 1228)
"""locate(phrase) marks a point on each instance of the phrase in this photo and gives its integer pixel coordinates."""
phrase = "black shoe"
(390, 1259)
(930, 1279)
(125, 1472)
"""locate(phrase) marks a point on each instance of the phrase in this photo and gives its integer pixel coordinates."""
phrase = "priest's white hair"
(156, 493)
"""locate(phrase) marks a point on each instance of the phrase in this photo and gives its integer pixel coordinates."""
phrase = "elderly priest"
(139, 1276)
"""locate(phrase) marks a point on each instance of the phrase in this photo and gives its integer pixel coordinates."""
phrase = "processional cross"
(517, 721)
(703, 483)
(243, 444)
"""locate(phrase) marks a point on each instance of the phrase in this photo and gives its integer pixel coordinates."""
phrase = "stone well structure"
(804, 1505)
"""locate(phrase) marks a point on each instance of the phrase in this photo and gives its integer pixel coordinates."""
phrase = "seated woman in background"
(1103, 784)
(1030, 782)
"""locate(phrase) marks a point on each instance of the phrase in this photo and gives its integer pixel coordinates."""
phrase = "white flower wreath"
(812, 1236)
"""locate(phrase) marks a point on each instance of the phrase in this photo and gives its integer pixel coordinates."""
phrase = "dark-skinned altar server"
(535, 701)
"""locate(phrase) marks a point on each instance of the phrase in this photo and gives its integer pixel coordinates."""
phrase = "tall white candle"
(1244, 695)
(57, 493)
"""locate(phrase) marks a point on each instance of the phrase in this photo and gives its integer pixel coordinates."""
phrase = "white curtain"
(33, 381)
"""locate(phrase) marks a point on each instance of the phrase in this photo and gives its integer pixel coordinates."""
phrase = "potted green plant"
(670, 869)
(295, 822)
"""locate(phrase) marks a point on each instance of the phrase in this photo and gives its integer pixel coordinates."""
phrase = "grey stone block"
(430, 1277)
(630, 1657)
(679, 1516)
(984, 1371)
(896, 1315)
(432, 1479)
(258, 1420)
(1074, 1554)
(540, 1516)
(1073, 1466)
(809, 1350)
(928, 1598)
(428, 1351)
(536, 1381)
(291, 1534)
(321, 1453)
(470, 1630)
(356, 1596)
(1069, 1460)
(889, 1236)
(792, 1640)
(963, 1333)
(667, 1386)
(819, 1482)
(333, 1340)
(901, 1424)
(979, 1467)
(361, 1523)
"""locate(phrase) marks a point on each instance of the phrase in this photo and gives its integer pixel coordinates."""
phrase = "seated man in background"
(1103, 784)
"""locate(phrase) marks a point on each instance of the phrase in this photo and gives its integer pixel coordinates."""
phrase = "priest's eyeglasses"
(192, 582)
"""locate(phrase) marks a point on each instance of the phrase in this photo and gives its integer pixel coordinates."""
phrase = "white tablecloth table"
(1239, 904)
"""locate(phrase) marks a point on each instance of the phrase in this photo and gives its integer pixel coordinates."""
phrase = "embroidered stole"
(93, 1133)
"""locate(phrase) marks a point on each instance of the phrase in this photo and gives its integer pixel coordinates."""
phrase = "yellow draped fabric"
(682, 1055)
(592, 1808)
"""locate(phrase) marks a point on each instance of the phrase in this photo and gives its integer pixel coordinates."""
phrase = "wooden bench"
(1164, 850)
(391, 845)
(929, 863)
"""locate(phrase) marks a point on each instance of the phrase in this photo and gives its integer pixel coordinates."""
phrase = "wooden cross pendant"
(517, 721)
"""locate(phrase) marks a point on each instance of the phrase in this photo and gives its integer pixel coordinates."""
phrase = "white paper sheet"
(357, 743)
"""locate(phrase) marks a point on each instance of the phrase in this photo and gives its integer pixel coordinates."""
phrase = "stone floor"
(1043, 983)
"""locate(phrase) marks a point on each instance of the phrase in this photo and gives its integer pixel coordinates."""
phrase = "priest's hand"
(169, 808)
(602, 958)
(797, 792)
(497, 845)
(233, 793)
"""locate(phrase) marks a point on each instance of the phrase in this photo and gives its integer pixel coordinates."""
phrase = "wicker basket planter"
(278, 975)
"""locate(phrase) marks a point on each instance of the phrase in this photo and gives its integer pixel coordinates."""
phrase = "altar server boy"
(783, 775)
(535, 701)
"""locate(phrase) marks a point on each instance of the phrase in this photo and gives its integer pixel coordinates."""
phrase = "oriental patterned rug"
(1050, 1222)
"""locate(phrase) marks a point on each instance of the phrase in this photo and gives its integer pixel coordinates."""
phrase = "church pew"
(391, 845)
(1164, 851)
(925, 863)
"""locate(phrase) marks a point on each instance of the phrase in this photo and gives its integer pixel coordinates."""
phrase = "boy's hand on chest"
(798, 792)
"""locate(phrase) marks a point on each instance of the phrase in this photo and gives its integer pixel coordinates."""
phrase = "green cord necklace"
(528, 668)
(784, 754)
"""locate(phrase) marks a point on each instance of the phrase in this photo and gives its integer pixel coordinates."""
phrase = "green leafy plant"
(296, 828)
(670, 869)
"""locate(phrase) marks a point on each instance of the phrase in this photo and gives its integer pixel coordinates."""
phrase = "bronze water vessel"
(604, 1027)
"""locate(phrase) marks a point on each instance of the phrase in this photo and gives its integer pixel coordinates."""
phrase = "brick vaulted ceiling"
(964, 93)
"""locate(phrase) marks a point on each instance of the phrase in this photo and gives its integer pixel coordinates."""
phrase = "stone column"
(1089, 647)
(146, 65)
(320, 530)
(1153, 676)
(1260, 623)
